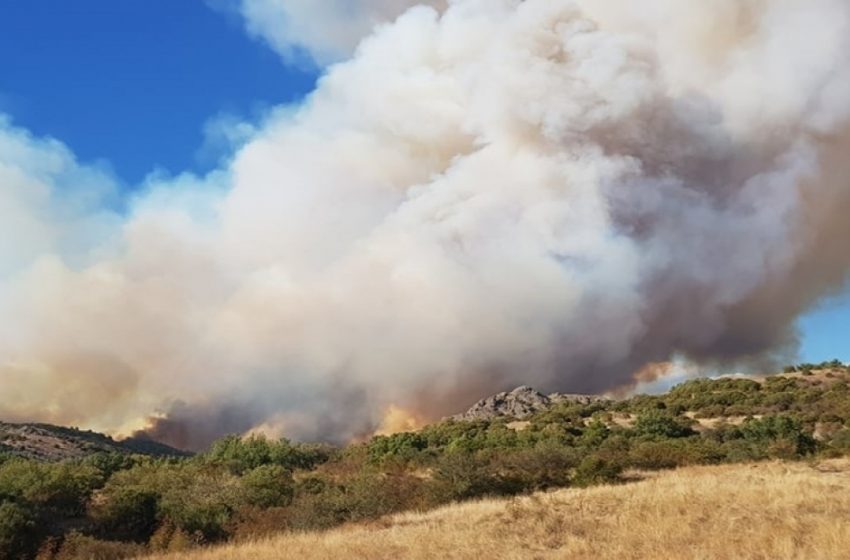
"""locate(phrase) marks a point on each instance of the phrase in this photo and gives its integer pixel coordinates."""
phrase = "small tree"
(268, 486)
(660, 424)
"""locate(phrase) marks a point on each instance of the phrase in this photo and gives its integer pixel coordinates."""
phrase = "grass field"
(758, 511)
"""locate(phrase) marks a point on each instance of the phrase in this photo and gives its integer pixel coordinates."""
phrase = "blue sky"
(107, 77)
(826, 330)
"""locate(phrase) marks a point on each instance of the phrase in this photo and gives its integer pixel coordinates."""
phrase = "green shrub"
(126, 512)
(461, 475)
(63, 488)
(405, 446)
(656, 455)
(201, 501)
(268, 486)
(660, 424)
(245, 454)
(19, 532)
(772, 429)
(595, 434)
(198, 499)
(595, 469)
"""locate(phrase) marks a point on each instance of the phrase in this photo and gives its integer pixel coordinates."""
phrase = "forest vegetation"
(111, 505)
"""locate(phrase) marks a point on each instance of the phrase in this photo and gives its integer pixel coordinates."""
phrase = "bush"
(660, 424)
(405, 446)
(244, 454)
(595, 434)
(19, 534)
(268, 486)
(771, 429)
(656, 455)
(79, 547)
(63, 488)
(596, 470)
(126, 513)
(527, 470)
(197, 498)
(252, 523)
(201, 502)
(461, 475)
(840, 440)
(170, 538)
(367, 495)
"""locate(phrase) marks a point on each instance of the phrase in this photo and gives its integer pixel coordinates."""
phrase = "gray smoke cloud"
(488, 193)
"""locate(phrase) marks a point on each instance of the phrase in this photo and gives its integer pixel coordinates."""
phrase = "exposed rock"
(520, 403)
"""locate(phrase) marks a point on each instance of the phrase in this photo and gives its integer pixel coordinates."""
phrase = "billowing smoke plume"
(326, 31)
(499, 192)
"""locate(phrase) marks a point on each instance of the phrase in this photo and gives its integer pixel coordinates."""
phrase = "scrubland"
(111, 506)
(775, 510)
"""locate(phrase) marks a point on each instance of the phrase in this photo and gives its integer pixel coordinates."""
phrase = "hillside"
(752, 511)
(125, 505)
(44, 442)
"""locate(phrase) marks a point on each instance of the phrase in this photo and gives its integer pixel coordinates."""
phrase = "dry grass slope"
(766, 511)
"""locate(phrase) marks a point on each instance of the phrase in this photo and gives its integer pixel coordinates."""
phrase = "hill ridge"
(48, 442)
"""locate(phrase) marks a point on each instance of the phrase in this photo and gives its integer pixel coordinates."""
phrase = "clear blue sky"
(107, 77)
(826, 330)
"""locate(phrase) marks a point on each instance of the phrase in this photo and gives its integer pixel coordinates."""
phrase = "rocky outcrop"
(520, 403)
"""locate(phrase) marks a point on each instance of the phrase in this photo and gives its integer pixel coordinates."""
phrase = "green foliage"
(595, 434)
(253, 486)
(63, 488)
(366, 495)
(785, 434)
(18, 531)
(404, 446)
(661, 424)
(127, 512)
(108, 464)
(245, 454)
(832, 364)
(268, 486)
(460, 475)
(595, 469)
(540, 468)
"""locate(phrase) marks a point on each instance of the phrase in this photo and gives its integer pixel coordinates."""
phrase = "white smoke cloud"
(328, 31)
(550, 192)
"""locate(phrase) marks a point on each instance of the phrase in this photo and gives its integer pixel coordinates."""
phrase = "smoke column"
(485, 193)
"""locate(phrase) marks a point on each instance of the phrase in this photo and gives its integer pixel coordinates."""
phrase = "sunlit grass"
(765, 511)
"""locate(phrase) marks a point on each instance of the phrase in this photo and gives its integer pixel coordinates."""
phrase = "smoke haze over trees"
(481, 194)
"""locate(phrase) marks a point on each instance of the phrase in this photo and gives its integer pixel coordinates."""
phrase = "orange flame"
(397, 420)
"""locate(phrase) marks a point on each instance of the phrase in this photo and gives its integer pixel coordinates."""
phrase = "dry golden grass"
(767, 511)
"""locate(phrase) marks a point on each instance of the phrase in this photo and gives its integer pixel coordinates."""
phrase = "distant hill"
(45, 442)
